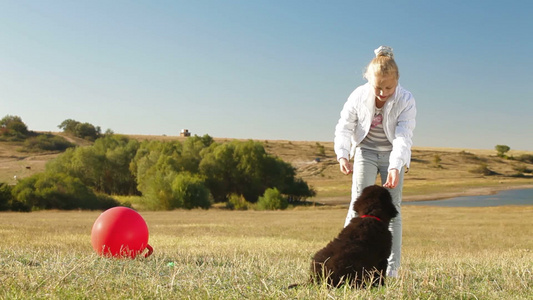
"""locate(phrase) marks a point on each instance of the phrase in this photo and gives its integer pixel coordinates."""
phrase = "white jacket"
(399, 114)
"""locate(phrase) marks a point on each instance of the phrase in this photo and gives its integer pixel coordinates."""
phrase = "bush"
(58, 191)
(5, 196)
(8, 202)
(521, 169)
(482, 169)
(147, 203)
(105, 202)
(436, 161)
(471, 157)
(272, 200)
(525, 158)
(47, 142)
(320, 150)
(237, 202)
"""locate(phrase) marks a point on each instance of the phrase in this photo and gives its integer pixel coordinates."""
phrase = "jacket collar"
(370, 98)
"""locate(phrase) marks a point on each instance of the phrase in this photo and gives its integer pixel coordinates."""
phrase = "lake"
(508, 197)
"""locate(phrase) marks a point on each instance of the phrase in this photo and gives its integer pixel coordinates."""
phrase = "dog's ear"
(387, 204)
(357, 205)
(366, 199)
(393, 211)
(361, 204)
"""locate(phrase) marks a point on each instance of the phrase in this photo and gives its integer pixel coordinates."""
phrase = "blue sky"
(267, 69)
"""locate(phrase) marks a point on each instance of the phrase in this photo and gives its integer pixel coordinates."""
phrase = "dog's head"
(375, 200)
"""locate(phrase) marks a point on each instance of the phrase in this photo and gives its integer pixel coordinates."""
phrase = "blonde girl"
(375, 129)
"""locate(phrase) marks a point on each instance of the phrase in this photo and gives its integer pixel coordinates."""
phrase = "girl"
(376, 129)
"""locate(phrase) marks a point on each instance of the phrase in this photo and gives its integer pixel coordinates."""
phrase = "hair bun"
(384, 51)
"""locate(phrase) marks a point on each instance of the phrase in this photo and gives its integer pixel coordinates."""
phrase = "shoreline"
(481, 191)
(478, 191)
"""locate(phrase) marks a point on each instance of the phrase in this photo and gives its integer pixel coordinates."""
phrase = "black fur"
(358, 256)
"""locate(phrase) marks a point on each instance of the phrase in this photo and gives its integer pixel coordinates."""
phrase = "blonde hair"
(383, 64)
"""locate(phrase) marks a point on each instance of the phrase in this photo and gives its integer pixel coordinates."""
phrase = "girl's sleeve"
(403, 136)
(345, 129)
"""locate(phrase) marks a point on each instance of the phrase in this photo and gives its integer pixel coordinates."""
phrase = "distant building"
(185, 132)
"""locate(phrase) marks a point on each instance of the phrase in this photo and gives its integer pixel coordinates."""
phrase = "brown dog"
(358, 256)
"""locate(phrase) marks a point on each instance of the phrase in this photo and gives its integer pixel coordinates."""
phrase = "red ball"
(120, 232)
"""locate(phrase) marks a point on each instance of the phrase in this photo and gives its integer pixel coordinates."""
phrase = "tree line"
(194, 173)
(13, 129)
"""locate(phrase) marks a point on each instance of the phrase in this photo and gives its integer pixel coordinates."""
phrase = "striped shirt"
(376, 139)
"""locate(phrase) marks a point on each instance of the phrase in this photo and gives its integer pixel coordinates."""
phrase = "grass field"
(448, 253)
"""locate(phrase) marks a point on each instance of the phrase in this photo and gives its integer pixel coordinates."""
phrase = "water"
(509, 197)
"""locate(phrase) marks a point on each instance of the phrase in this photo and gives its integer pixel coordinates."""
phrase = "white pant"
(367, 165)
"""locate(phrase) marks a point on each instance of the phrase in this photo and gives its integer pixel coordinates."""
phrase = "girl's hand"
(393, 178)
(346, 166)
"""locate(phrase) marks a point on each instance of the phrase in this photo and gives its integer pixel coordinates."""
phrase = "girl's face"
(384, 86)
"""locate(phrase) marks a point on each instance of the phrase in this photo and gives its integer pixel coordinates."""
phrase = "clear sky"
(267, 69)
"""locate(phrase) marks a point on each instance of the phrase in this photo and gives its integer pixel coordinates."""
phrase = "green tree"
(69, 126)
(236, 168)
(12, 127)
(191, 152)
(189, 191)
(104, 166)
(87, 131)
(502, 149)
(155, 157)
(159, 190)
(251, 174)
(169, 190)
(244, 168)
(118, 151)
(219, 168)
(82, 130)
(167, 173)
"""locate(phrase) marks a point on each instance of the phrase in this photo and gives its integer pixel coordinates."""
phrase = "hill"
(435, 173)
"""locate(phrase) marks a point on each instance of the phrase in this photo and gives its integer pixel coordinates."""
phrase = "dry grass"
(13, 162)
(448, 253)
